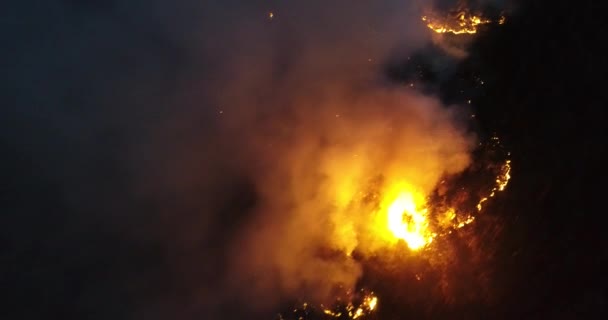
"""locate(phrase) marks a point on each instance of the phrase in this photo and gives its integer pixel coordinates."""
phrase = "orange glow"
(458, 21)
(406, 221)
(501, 183)
(462, 23)
(351, 311)
(403, 214)
(371, 301)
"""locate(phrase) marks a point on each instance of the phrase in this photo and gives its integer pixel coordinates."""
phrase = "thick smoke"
(314, 124)
(232, 143)
(329, 156)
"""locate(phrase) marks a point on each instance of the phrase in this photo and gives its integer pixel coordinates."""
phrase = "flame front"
(365, 308)
(407, 214)
(501, 183)
(463, 23)
(459, 21)
(403, 215)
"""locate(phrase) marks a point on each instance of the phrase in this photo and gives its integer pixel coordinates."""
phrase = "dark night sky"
(92, 227)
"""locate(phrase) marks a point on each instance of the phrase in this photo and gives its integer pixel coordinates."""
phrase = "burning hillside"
(395, 212)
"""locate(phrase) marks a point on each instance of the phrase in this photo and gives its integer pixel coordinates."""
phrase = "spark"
(270, 15)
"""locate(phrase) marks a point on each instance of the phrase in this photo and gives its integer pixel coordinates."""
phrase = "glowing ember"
(462, 23)
(501, 183)
(458, 21)
(366, 307)
(359, 306)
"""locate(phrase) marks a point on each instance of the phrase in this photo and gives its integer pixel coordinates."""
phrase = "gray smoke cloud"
(221, 137)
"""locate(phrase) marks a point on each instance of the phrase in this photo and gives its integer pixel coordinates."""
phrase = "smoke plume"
(233, 138)
(310, 120)
(302, 113)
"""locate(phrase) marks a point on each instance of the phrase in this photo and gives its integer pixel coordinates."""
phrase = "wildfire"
(462, 23)
(407, 222)
(501, 183)
(359, 307)
(404, 215)
(367, 306)
(407, 213)
(459, 20)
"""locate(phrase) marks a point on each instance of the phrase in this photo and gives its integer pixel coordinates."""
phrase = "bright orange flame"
(370, 302)
(367, 307)
(406, 221)
(501, 183)
(403, 215)
(463, 23)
